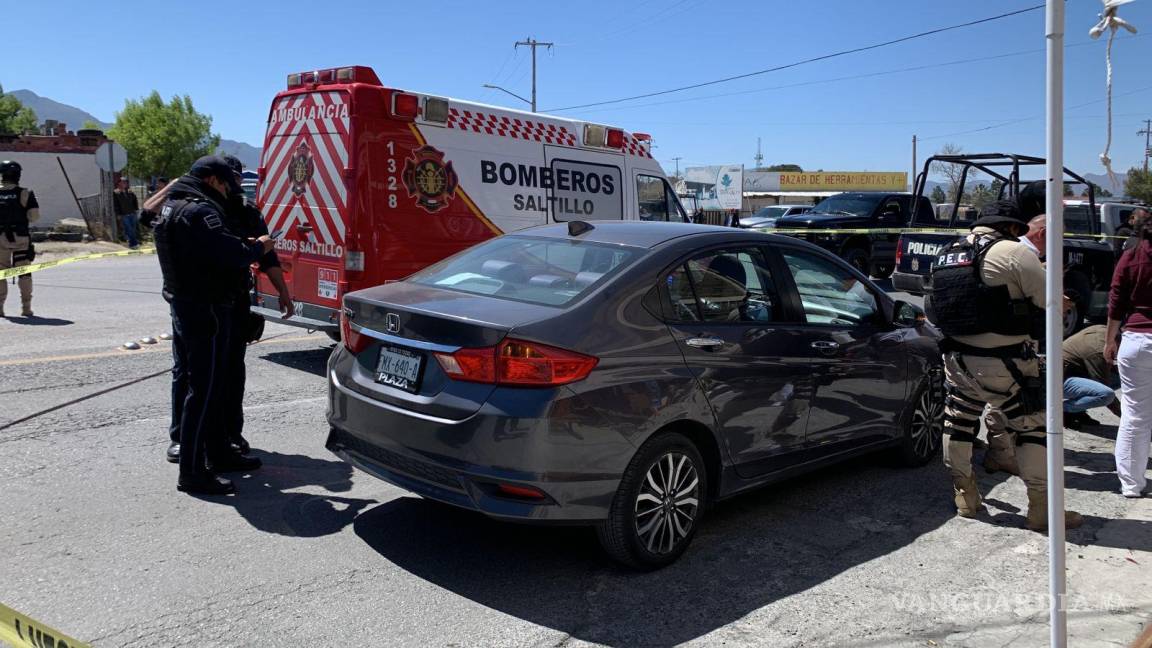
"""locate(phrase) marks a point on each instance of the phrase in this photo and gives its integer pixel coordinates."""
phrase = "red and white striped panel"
(504, 126)
(323, 127)
(633, 146)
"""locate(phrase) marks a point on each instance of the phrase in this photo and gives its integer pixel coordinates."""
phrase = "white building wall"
(41, 173)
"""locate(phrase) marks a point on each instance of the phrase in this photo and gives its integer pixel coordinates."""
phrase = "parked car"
(627, 376)
(767, 216)
(861, 227)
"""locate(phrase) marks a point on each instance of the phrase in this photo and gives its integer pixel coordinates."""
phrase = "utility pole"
(533, 43)
(759, 157)
(1147, 143)
(677, 161)
(913, 177)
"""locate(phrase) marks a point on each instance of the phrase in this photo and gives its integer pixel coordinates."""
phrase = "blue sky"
(856, 112)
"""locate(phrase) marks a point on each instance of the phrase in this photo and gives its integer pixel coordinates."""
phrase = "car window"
(829, 293)
(724, 286)
(551, 272)
(652, 199)
(1077, 219)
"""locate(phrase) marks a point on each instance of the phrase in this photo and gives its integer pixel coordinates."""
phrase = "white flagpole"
(1054, 254)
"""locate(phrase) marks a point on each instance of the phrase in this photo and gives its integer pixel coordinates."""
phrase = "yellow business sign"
(845, 181)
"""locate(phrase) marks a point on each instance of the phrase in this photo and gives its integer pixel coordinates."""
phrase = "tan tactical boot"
(1000, 461)
(968, 502)
(26, 309)
(1038, 513)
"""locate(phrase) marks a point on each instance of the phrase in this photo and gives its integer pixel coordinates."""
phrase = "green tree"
(938, 196)
(1139, 184)
(1101, 192)
(91, 124)
(163, 138)
(980, 195)
(15, 117)
(788, 168)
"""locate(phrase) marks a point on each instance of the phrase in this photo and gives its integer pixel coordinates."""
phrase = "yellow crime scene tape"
(36, 267)
(23, 632)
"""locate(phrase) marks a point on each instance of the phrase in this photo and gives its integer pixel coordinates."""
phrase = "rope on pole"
(1110, 22)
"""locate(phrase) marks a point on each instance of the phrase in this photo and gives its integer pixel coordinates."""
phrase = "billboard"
(730, 186)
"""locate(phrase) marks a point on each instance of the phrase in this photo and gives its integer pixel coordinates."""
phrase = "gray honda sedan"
(627, 376)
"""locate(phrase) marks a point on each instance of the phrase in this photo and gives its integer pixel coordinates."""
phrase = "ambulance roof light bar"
(351, 74)
(603, 137)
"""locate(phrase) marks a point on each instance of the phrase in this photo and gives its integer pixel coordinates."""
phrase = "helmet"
(10, 170)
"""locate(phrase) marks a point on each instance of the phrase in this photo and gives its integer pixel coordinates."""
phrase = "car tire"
(882, 270)
(857, 257)
(922, 427)
(1079, 290)
(658, 505)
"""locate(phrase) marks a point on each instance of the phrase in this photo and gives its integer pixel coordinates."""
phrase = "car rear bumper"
(907, 282)
(462, 462)
(309, 316)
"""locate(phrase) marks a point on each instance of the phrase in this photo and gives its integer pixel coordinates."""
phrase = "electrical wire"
(814, 59)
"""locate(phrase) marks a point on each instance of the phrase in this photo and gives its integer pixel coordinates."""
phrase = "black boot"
(241, 445)
(233, 462)
(205, 484)
(173, 454)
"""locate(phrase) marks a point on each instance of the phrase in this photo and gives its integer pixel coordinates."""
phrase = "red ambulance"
(367, 184)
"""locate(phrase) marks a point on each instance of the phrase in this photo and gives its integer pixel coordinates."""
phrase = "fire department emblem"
(300, 168)
(430, 180)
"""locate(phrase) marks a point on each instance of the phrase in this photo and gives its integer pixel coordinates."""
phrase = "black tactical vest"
(13, 215)
(960, 303)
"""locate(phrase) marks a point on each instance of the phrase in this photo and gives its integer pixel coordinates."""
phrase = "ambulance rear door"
(305, 196)
(586, 185)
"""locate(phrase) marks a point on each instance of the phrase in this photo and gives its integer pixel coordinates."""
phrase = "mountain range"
(74, 117)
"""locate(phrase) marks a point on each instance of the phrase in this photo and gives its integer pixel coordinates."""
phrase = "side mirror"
(906, 315)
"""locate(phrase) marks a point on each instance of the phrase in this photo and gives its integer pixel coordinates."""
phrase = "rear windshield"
(550, 272)
(858, 204)
(1077, 219)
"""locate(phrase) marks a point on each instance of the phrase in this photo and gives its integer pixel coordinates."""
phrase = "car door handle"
(705, 342)
(825, 346)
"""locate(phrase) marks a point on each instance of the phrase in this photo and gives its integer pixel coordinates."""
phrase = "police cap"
(214, 166)
(999, 213)
(234, 162)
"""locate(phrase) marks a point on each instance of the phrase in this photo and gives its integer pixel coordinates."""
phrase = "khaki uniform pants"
(7, 249)
(973, 382)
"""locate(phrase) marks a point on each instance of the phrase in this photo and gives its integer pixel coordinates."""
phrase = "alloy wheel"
(927, 422)
(668, 503)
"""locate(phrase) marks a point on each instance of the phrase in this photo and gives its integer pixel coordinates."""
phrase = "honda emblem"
(392, 323)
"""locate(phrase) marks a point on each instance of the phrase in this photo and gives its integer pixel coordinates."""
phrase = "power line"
(814, 59)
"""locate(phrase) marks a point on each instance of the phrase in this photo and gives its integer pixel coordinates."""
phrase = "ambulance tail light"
(405, 105)
(294, 80)
(595, 135)
(615, 138)
(436, 110)
(326, 76)
(307, 78)
(354, 261)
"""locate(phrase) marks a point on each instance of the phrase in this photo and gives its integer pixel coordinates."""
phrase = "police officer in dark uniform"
(246, 221)
(987, 298)
(201, 261)
(18, 208)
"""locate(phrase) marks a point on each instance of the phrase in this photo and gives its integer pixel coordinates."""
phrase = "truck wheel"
(882, 270)
(658, 504)
(858, 258)
(1079, 290)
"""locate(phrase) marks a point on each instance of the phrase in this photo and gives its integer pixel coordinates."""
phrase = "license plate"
(399, 368)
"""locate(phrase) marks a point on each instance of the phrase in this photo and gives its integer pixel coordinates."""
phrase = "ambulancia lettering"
(330, 111)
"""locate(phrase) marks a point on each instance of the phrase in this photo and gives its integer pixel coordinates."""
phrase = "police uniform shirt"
(1084, 356)
(27, 201)
(1012, 264)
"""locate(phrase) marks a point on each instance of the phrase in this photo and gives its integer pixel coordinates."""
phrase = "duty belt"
(1022, 351)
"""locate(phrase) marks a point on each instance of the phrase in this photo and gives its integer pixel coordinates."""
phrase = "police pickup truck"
(862, 227)
(1088, 258)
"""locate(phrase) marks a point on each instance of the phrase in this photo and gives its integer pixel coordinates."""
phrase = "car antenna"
(576, 228)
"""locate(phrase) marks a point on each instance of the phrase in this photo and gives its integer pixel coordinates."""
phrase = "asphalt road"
(97, 542)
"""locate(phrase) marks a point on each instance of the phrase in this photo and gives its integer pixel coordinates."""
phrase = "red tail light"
(899, 253)
(353, 341)
(615, 138)
(405, 105)
(516, 362)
